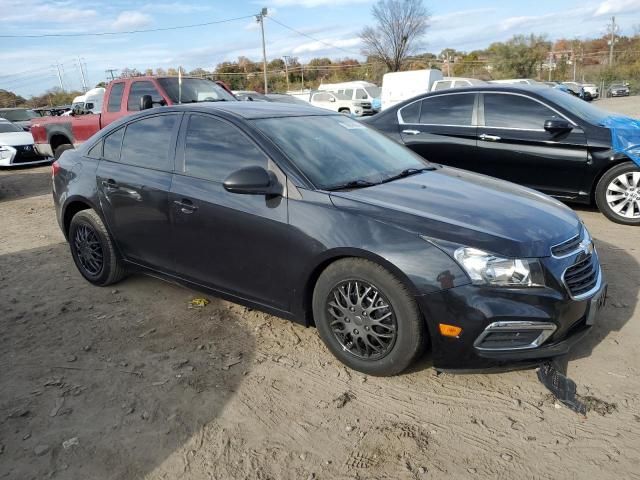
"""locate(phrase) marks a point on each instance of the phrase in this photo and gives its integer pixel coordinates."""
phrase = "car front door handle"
(186, 206)
(489, 138)
(411, 132)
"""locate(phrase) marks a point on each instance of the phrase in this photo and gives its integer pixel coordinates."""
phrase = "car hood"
(15, 139)
(452, 206)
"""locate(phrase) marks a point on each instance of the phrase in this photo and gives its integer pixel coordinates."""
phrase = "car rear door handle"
(186, 206)
(411, 132)
(489, 138)
(110, 184)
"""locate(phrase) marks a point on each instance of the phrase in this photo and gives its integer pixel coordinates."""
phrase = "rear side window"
(95, 151)
(515, 111)
(214, 149)
(448, 110)
(147, 142)
(321, 97)
(411, 113)
(138, 89)
(112, 145)
(115, 97)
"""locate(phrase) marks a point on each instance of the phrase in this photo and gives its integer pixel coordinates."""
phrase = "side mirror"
(557, 126)
(253, 181)
(146, 102)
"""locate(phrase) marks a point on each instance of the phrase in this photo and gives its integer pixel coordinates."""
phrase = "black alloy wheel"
(89, 250)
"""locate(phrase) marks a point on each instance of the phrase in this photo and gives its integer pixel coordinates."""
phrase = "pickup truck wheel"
(618, 194)
(60, 149)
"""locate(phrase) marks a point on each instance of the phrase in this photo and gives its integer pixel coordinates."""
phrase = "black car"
(536, 136)
(312, 216)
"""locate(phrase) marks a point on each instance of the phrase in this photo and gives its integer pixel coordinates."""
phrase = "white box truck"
(399, 86)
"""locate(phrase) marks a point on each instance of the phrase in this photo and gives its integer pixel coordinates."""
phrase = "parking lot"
(132, 381)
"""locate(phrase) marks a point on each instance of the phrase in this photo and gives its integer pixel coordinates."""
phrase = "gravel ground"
(128, 382)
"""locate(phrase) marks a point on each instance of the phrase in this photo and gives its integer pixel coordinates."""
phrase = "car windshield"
(334, 151)
(576, 106)
(617, 85)
(285, 99)
(6, 127)
(194, 90)
(18, 115)
(374, 92)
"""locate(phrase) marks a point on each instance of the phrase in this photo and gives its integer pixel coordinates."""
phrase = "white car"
(455, 82)
(339, 102)
(16, 146)
(592, 89)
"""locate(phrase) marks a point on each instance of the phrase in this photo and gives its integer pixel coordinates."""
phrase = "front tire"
(367, 317)
(618, 194)
(93, 251)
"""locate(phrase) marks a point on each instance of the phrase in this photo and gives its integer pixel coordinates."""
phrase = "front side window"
(194, 90)
(112, 145)
(138, 89)
(361, 94)
(321, 97)
(115, 97)
(147, 142)
(215, 148)
(515, 111)
(456, 109)
(334, 150)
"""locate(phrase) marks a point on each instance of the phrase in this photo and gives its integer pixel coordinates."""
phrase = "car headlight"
(487, 269)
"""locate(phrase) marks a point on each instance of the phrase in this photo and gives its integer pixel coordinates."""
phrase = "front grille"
(566, 247)
(26, 154)
(582, 277)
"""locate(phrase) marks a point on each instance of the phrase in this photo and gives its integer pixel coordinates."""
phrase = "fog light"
(449, 330)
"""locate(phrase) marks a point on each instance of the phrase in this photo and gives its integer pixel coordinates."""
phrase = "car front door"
(134, 178)
(227, 241)
(514, 145)
(441, 128)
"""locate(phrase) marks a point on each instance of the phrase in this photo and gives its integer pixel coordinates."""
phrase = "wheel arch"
(58, 138)
(331, 256)
(72, 206)
(614, 163)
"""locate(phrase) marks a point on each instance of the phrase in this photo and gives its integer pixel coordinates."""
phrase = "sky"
(331, 26)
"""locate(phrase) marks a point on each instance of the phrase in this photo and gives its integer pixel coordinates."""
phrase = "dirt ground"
(127, 382)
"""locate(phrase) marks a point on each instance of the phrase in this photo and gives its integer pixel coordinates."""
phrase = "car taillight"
(55, 168)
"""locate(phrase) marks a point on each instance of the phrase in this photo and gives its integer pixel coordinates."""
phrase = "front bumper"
(476, 309)
(22, 155)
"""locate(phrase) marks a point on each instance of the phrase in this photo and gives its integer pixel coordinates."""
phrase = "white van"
(455, 82)
(399, 86)
(356, 90)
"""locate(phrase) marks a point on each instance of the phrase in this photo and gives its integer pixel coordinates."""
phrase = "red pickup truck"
(53, 135)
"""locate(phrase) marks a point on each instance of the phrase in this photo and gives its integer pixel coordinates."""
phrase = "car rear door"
(134, 178)
(441, 128)
(227, 241)
(513, 145)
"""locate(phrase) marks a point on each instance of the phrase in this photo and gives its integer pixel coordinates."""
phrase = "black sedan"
(314, 217)
(532, 135)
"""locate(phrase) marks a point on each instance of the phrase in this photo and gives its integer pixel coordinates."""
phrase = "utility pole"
(575, 61)
(260, 20)
(57, 66)
(286, 69)
(110, 71)
(84, 81)
(612, 39)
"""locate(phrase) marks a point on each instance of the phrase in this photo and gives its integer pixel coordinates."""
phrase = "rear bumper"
(475, 308)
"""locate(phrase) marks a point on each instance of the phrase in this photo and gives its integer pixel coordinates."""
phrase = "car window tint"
(112, 145)
(95, 151)
(138, 89)
(147, 142)
(215, 148)
(447, 110)
(515, 111)
(411, 113)
(115, 97)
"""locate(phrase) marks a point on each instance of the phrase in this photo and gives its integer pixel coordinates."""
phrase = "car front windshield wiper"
(407, 173)
(359, 183)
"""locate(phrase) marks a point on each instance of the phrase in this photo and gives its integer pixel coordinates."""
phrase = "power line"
(312, 38)
(99, 34)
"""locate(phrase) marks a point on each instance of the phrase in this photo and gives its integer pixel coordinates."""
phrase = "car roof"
(254, 110)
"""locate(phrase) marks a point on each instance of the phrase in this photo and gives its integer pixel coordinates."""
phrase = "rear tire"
(93, 250)
(618, 194)
(345, 111)
(373, 326)
(60, 149)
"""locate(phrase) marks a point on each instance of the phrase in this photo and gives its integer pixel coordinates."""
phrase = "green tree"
(519, 57)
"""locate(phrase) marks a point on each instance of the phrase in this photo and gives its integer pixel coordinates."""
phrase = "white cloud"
(129, 20)
(612, 7)
(327, 45)
(316, 3)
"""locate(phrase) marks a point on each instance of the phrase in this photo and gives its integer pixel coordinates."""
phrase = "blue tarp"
(625, 136)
